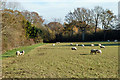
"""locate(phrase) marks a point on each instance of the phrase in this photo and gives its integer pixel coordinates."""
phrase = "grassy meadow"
(59, 61)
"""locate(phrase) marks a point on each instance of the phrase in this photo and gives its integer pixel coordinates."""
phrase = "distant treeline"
(20, 28)
(99, 36)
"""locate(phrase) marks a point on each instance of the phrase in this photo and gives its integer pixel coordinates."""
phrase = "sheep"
(57, 42)
(102, 46)
(108, 40)
(115, 40)
(99, 44)
(53, 44)
(92, 44)
(95, 51)
(74, 48)
(83, 45)
(71, 44)
(76, 44)
(22, 52)
(18, 53)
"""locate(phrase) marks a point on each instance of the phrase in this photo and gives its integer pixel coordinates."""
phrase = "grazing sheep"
(108, 40)
(76, 44)
(74, 48)
(83, 45)
(53, 44)
(18, 53)
(92, 44)
(99, 45)
(102, 46)
(58, 42)
(115, 40)
(99, 51)
(95, 51)
(71, 44)
(22, 52)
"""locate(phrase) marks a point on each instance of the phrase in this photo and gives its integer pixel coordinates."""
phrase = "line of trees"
(80, 25)
(85, 18)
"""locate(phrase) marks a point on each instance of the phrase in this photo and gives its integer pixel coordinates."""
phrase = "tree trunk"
(104, 35)
(83, 35)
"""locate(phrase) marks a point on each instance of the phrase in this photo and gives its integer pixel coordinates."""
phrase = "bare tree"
(96, 12)
(81, 18)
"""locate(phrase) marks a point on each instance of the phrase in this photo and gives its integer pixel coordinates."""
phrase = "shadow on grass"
(85, 54)
(6, 56)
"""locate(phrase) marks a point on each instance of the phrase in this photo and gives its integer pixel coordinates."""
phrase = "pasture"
(60, 61)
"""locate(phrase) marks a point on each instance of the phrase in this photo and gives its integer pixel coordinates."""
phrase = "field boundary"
(11, 53)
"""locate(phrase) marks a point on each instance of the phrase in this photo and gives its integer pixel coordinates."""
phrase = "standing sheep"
(99, 44)
(115, 40)
(76, 44)
(53, 44)
(92, 44)
(95, 51)
(71, 44)
(108, 40)
(74, 48)
(18, 53)
(22, 52)
(102, 46)
(83, 45)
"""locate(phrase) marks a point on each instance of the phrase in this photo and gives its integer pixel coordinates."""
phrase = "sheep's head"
(99, 51)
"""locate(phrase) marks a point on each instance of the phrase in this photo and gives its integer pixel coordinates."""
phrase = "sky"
(50, 9)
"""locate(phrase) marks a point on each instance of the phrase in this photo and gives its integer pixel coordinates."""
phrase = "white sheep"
(71, 44)
(115, 40)
(83, 45)
(102, 46)
(108, 40)
(95, 51)
(99, 44)
(74, 48)
(92, 44)
(76, 44)
(53, 44)
(58, 42)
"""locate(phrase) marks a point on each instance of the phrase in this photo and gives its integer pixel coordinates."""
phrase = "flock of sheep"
(92, 50)
(73, 48)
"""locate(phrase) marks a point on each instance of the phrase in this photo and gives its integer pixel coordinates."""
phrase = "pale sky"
(50, 9)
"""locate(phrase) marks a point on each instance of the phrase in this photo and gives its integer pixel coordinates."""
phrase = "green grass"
(60, 61)
(11, 53)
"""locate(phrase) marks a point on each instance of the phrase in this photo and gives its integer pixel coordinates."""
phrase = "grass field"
(60, 61)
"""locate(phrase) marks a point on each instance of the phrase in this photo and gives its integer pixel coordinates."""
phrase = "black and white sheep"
(102, 46)
(95, 51)
(82, 45)
(20, 53)
(74, 48)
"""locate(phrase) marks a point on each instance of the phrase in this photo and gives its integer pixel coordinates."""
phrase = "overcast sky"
(50, 9)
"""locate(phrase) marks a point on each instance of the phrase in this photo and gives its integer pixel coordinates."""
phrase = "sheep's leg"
(91, 53)
(95, 53)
